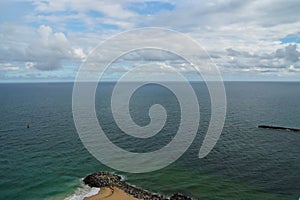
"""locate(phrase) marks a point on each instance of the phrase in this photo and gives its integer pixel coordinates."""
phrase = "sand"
(111, 194)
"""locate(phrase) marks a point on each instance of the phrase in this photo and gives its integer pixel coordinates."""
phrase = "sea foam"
(82, 192)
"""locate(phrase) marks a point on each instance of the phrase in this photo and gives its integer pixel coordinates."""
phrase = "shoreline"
(112, 187)
(113, 193)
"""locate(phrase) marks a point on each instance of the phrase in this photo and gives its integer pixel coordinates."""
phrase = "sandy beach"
(113, 193)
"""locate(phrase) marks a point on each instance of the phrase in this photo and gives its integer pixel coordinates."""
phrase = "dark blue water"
(48, 160)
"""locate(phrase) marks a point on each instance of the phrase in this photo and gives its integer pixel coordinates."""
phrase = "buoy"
(27, 125)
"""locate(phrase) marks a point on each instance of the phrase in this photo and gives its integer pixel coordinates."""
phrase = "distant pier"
(279, 128)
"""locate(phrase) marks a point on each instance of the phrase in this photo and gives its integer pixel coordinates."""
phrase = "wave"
(82, 192)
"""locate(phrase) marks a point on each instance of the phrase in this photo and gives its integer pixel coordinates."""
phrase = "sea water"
(48, 160)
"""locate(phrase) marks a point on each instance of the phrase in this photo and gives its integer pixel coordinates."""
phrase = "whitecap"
(82, 192)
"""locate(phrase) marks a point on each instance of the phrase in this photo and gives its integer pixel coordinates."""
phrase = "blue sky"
(47, 40)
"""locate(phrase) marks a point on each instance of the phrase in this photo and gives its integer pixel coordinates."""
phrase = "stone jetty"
(106, 179)
(279, 128)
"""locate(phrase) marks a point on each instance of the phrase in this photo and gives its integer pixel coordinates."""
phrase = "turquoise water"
(48, 160)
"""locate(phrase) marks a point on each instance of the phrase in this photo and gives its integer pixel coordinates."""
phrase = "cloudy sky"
(47, 40)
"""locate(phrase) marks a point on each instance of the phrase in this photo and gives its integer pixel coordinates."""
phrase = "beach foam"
(82, 192)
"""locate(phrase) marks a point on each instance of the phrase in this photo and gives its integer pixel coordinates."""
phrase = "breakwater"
(106, 179)
(279, 128)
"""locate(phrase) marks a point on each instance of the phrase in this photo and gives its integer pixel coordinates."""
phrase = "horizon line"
(48, 82)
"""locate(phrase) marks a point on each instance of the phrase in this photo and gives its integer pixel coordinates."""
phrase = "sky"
(250, 40)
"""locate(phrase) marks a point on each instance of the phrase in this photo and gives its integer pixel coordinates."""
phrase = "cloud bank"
(246, 39)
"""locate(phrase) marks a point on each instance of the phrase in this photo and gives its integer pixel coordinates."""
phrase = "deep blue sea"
(48, 160)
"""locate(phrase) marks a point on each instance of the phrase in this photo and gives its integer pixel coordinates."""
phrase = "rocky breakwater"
(279, 128)
(106, 179)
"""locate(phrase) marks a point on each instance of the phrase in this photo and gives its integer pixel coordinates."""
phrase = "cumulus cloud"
(282, 60)
(45, 49)
(290, 54)
(49, 50)
(241, 36)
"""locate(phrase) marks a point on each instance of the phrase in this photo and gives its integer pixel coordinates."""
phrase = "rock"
(102, 179)
(106, 179)
(279, 128)
(178, 196)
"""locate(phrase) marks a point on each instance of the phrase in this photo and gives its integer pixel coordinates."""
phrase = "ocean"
(48, 160)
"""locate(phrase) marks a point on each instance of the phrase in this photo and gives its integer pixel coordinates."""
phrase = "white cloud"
(282, 61)
(9, 67)
(49, 50)
(110, 8)
(78, 52)
(241, 36)
(114, 12)
(43, 50)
